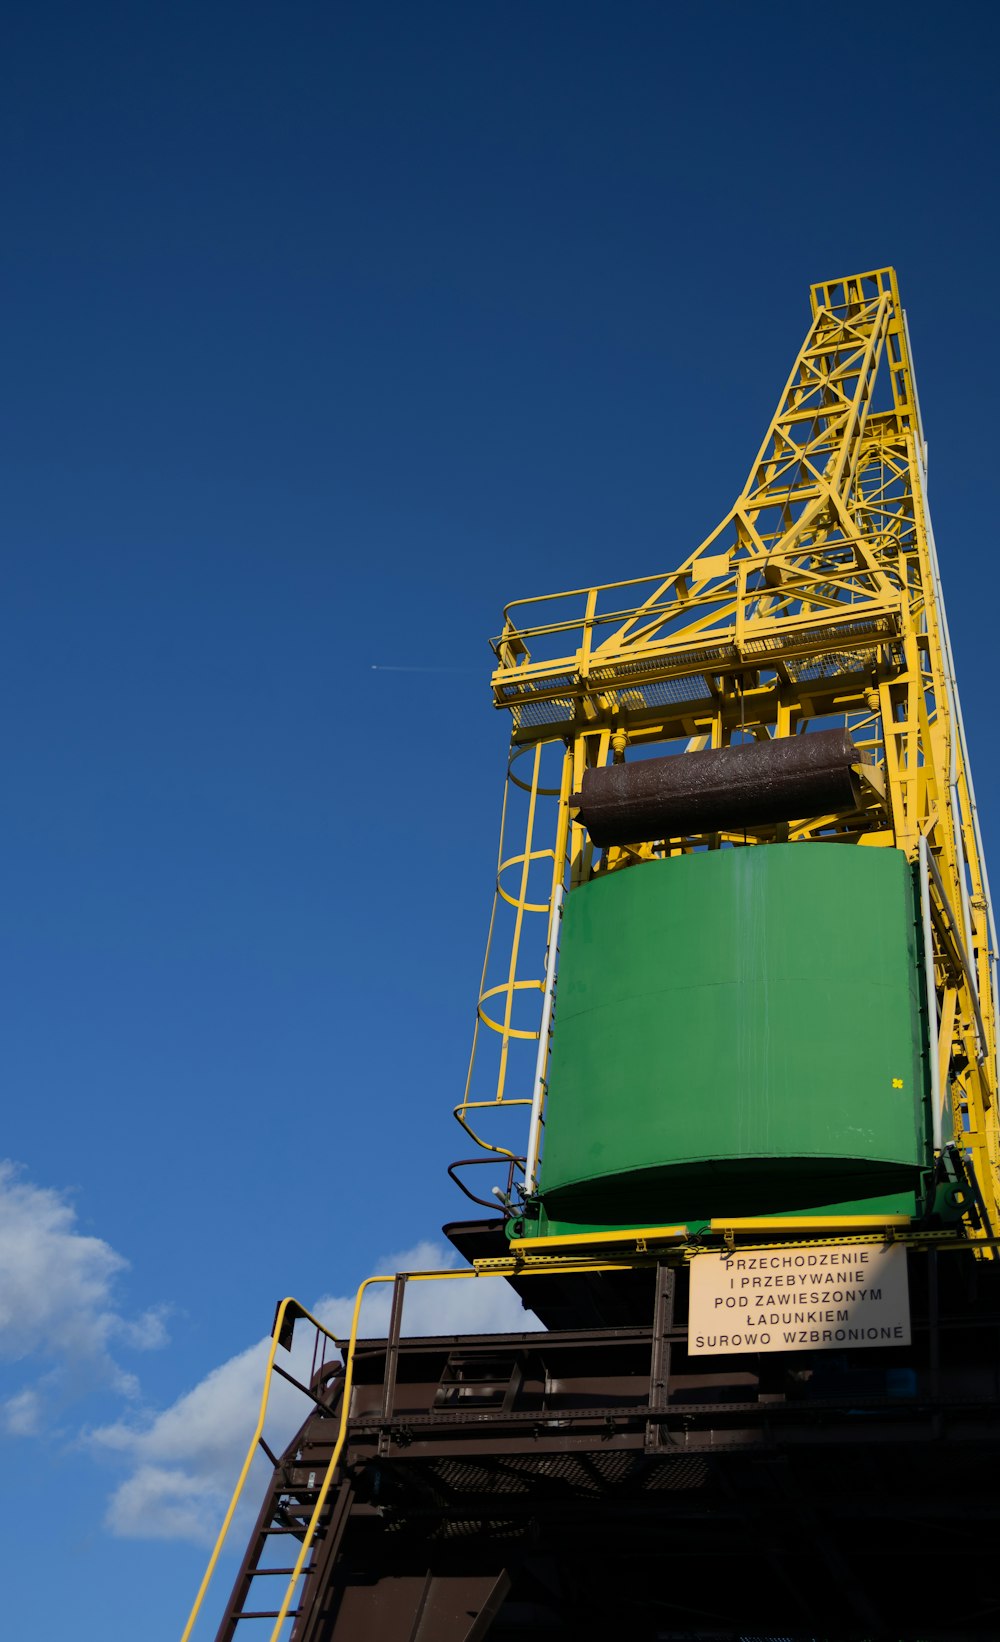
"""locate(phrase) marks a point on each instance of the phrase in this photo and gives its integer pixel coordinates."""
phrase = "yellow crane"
(735, 1055)
(816, 602)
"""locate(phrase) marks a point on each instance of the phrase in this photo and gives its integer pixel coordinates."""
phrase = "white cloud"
(22, 1413)
(174, 1501)
(62, 1327)
(185, 1461)
(471, 1305)
(57, 1304)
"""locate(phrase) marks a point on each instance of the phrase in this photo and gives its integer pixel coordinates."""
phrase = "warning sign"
(799, 1299)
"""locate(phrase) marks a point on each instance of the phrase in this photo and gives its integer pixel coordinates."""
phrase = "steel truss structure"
(815, 603)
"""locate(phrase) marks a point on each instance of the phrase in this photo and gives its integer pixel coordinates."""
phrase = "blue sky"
(329, 328)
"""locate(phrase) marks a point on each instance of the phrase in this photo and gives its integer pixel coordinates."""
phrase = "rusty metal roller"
(723, 789)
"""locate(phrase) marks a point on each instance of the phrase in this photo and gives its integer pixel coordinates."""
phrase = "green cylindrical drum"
(737, 1031)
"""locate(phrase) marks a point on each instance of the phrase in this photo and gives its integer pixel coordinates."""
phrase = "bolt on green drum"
(737, 1031)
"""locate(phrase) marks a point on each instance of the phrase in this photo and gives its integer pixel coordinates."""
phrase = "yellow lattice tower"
(816, 602)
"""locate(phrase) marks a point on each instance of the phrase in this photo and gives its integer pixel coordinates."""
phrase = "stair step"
(253, 1572)
(268, 1613)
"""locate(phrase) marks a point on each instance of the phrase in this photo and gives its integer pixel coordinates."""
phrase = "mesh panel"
(707, 656)
(518, 697)
(535, 686)
(583, 1475)
(831, 665)
(543, 712)
(665, 691)
(677, 1474)
(864, 627)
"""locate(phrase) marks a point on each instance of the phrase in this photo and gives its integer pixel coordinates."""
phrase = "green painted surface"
(737, 1032)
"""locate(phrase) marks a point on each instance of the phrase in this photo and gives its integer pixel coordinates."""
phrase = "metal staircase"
(284, 1519)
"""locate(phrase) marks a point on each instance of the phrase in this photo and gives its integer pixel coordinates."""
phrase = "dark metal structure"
(593, 1480)
(746, 784)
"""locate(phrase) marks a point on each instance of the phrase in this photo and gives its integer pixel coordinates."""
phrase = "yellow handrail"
(301, 1311)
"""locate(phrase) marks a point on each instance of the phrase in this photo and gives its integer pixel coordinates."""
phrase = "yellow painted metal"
(805, 1222)
(650, 1234)
(816, 602)
(287, 1307)
(539, 778)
